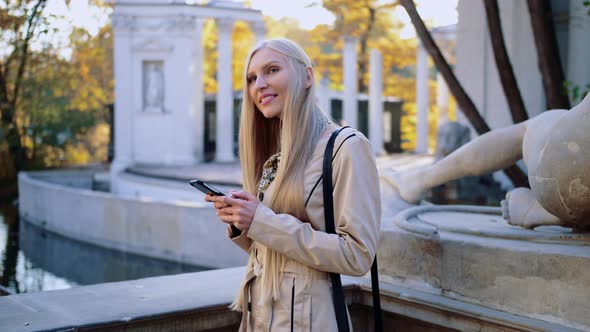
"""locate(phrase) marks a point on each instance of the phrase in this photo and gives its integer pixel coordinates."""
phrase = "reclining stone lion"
(555, 147)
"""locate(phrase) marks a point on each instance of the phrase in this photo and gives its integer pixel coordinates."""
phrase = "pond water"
(35, 260)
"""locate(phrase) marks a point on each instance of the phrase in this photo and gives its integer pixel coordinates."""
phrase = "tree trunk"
(8, 121)
(548, 54)
(467, 106)
(362, 88)
(505, 70)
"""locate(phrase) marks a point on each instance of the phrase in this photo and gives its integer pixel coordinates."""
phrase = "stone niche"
(153, 86)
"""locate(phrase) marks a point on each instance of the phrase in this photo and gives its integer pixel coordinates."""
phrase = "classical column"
(578, 70)
(349, 104)
(224, 146)
(376, 102)
(259, 30)
(422, 100)
(323, 94)
(123, 29)
(442, 99)
(197, 107)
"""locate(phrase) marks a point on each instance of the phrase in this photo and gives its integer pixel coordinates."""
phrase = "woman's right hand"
(238, 209)
(216, 203)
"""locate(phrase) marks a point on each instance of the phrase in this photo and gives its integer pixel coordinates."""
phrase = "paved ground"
(230, 174)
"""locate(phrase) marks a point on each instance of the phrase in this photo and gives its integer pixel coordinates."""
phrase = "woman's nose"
(260, 82)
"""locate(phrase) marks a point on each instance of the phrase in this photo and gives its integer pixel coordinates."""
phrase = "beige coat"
(357, 213)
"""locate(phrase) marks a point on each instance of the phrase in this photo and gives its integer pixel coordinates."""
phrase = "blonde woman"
(279, 217)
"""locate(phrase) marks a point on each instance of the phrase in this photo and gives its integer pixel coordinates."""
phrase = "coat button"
(261, 196)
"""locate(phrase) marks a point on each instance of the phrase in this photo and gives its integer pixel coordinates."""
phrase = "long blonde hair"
(295, 135)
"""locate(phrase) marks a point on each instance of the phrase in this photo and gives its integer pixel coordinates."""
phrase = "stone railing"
(199, 302)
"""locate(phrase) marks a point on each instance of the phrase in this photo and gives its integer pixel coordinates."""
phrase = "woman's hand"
(237, 210)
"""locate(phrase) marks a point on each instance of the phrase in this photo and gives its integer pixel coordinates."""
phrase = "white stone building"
(158, 60)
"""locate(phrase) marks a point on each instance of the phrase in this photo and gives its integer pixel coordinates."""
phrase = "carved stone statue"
(154, 87)
(555, 147)
(466, 190)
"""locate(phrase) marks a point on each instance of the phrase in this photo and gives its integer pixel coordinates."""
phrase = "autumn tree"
(20, 23)
(370, 21)
(59, 111)
(366, 20)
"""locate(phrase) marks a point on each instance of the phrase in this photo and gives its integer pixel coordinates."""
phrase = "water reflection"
(36, 260)
(9, 230)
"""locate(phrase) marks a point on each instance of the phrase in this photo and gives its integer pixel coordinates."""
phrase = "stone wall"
(185, 231)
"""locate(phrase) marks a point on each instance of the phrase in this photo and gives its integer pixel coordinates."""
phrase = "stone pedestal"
(470, 254)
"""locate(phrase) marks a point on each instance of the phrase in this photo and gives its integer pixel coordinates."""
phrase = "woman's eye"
(273, 70)
(250, 79)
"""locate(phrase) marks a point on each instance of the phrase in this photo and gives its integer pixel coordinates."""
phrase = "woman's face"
(268, 82)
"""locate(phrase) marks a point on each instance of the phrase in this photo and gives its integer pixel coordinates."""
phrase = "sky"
(309, 13)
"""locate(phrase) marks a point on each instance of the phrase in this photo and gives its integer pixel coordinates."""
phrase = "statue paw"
(505, 210)
(520, 208)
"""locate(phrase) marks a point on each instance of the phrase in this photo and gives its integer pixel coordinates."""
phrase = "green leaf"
(576, 93)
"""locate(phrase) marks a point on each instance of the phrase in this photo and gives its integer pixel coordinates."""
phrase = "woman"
(279, 218)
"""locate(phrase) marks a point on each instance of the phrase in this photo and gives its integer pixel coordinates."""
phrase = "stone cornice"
(124, 23)
(153, 45)
(190, 10)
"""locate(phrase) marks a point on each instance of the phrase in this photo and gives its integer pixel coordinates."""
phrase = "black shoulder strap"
(337, 291)
(321, 176)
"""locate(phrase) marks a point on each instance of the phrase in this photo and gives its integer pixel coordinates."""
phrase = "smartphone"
(206, 188)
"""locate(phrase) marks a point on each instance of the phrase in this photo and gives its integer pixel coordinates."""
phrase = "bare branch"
(503, 64)
(548, 54)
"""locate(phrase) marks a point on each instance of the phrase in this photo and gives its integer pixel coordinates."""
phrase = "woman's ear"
(308, 77)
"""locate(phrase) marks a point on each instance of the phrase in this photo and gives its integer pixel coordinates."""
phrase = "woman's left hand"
(240, 210)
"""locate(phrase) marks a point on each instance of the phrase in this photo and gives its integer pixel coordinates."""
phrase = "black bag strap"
(337, 291)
